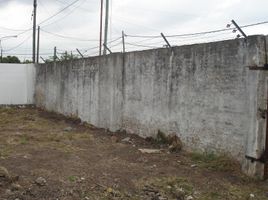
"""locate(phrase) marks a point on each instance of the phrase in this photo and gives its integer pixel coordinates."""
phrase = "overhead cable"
(198, 33)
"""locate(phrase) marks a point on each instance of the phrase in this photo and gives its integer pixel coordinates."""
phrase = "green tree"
(67, 56)
(27, 61)
(10, 59)
(63, 57)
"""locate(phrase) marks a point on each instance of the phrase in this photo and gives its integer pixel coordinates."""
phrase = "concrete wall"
(90, 89)
(204, 93)
(17, 84)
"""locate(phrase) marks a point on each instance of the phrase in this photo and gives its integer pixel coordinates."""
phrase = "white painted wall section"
(17, 84)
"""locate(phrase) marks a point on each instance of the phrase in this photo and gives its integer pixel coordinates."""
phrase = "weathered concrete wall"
(90, 89)
(204, 93)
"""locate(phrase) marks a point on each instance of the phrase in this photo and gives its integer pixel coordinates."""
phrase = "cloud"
(148, 17)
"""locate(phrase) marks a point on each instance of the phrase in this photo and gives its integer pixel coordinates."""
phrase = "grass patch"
(161, 138)
(214, 162)
(233, 192)
(73, 178)
(23, 140)
(5, 152)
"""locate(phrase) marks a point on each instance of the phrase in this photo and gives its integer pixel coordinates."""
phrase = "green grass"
(214, 162)
(72, 178)
(24, 140)
(5, 152)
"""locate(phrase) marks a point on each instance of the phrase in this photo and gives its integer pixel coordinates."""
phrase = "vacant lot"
(47, 156)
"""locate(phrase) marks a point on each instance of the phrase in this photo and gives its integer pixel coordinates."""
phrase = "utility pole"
(38, 44)
(106, 26)
(101, 16)
(34, 28)
(55, 54)
(1, 59)
(123, 41)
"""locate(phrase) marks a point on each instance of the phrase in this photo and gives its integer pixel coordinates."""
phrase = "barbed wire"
(145, 41)
(197, 33)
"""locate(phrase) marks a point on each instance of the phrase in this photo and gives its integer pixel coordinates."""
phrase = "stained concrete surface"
(204, 93)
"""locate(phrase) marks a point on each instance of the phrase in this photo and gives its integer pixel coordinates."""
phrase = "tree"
(10, 59)
(67, 56)
(63, 57)
(27, 61)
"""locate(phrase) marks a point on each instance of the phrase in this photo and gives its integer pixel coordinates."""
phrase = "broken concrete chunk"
(40, 181)
(68, 129)
(126, 140)
(189, 198)
(150, 151)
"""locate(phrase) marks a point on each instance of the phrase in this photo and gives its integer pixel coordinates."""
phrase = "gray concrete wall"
(90, 89)
(204, 93)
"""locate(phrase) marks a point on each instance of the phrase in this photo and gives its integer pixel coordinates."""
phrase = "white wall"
(17, 84)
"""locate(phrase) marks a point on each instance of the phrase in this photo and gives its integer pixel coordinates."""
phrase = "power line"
(197, 33)
(110, 42)
(25, 54)
(175, 42)
(115, 45)
(46, 10)
(138, 45)
(47, 19)
(256, 24)
(119, 38)
(57, 13)
(78, 39)
(81, 8)
(86, 50)
(25, 31)
(96, 47)
(16, 30)
(18, 44)
(69, 37)
(63, 17)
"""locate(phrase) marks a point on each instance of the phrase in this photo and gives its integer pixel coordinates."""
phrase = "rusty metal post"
(266, 141)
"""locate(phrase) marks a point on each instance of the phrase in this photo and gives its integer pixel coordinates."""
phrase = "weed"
(5, 152)
(161, 138)
(214, 162)
(23, 140)
(72, 178)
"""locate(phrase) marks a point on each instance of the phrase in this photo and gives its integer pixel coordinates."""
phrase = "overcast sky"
(135, 17)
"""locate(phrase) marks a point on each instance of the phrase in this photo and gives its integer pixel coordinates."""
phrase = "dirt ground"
(46, 156)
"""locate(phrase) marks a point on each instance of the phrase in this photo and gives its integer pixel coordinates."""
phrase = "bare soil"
(78, 161)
